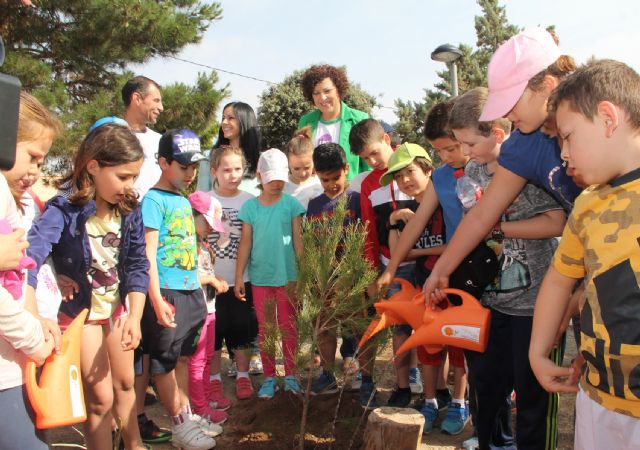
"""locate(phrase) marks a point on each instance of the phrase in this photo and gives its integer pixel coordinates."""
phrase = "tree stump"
(393, 428)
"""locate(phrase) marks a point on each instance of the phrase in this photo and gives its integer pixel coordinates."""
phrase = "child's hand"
(13, 246)
(404, 214)
(219, 285)
(165, 313)
(554, 378)
(131, 334)
(433, 294)
(239, 292)
(372, 290)
(67, 287)
(51, 331)
(384, 280)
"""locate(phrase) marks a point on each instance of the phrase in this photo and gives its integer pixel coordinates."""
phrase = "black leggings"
(236, 322)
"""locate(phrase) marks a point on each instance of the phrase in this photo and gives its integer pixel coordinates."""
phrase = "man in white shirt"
(143, 103)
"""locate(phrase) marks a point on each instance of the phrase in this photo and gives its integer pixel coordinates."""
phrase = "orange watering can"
(465, 326)
(58, 400)
(392, 310)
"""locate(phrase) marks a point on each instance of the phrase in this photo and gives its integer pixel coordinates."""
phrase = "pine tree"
(72, 56)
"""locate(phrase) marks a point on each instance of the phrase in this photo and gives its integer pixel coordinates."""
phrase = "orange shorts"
(456, 357)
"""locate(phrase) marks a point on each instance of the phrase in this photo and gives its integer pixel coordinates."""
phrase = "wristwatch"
(395, 226)
(497, 234)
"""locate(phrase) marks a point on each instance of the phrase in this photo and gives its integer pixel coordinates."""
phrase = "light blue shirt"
(272, 261)
(171, 215)
(444, 184)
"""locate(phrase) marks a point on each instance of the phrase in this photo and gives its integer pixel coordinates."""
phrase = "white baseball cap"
(273, 165)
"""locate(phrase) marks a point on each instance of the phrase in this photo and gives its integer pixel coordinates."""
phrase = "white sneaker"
(255, 366)
(208, 427)
(189, 436)
(415, 381)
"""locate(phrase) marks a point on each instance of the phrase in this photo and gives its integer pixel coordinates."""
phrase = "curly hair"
(315, 74)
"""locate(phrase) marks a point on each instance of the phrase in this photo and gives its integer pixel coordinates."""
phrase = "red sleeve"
(372, 245)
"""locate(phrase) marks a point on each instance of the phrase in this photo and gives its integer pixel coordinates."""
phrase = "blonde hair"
(34, 120)
(301, 143)
(218, 153)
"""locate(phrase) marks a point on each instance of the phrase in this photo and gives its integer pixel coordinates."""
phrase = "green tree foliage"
(72, 56)
(282, 105)
(492, 29)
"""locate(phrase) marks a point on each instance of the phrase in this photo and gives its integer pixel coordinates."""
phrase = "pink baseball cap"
(209, 207)
(273, 165)
(512, 66)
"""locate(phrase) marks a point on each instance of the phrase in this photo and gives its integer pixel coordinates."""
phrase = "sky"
(385, 45)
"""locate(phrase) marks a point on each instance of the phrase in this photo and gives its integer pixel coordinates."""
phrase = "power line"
(245, 76)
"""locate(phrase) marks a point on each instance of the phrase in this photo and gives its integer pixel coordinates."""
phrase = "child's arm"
(12, 245)
(410, 235)
(406, 215)
(163, 311)
(474, 227)
(551, 304)
(131, 333)
(542, 226)
(296, 226)
(244, 250)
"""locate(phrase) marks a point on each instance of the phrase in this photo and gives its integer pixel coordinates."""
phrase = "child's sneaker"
(430, 414)
(324, 384)
(415, 381)
(443, 397)
(217, 398)
(216, 416)
(189, 436)
(233, 370)
(152, 433)
(471, 443)
(244, 388)
(269, 388)
(291, 385)
(456, 419)
(356, 382)
(255, 366)
(208, 427)
(368, 396)
(400, 398)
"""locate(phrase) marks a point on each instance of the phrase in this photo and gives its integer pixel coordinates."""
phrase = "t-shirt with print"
(536, 157)
(225, 245)
(170, 213)
(327, 132)
(272, 261)
(601, 242)
(205, 267)
(304, 192)
(523, 262)
(104, 241)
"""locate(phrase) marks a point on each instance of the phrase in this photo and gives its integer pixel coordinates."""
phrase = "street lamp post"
(449, 54)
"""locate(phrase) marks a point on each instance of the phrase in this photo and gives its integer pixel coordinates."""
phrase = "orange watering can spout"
(58, 399)
(388, 315)
(465, 326)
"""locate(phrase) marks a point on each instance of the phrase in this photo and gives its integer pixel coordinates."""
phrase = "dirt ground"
(274, 424)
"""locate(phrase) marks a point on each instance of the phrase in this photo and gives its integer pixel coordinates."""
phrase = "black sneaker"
(152, 433)
(443, 397)
(368, 396)
(400, 398)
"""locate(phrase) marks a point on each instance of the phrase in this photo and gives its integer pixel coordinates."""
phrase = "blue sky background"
(385, 45)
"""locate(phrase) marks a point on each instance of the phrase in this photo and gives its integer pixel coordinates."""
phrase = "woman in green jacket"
(325, 86)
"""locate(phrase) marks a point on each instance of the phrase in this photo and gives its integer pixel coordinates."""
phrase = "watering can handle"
(32, 384)
(467, 299)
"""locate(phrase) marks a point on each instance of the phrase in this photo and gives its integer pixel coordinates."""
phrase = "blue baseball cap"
(181, 145)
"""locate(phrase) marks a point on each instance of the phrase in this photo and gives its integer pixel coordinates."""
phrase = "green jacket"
(348, 118)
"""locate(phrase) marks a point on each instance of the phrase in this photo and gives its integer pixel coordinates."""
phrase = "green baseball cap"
(401, 158)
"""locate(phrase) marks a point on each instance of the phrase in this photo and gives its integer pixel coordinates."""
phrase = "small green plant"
(333, 276)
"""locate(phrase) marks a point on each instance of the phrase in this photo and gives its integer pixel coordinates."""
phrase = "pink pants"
(285, 314)
(200, 365)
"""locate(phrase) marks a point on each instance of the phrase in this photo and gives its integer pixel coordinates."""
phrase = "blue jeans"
(17, 422)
